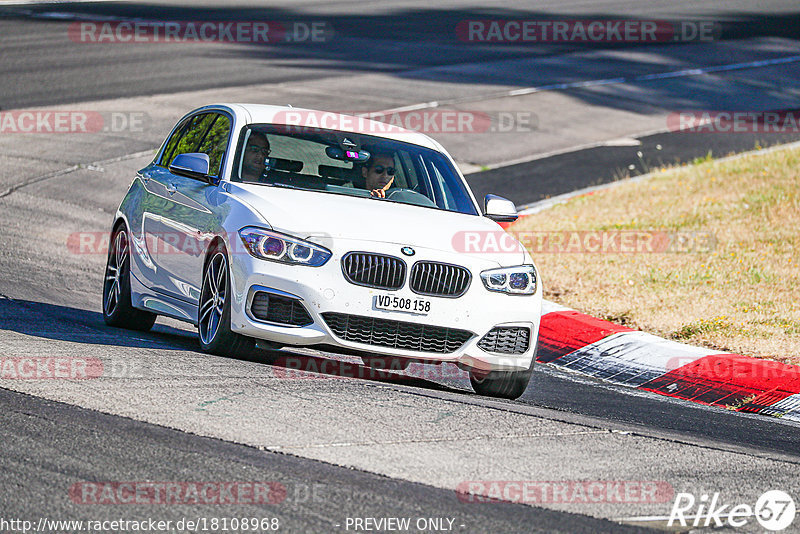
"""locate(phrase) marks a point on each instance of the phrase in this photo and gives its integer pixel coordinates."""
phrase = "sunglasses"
(254, 149)
(380, 168)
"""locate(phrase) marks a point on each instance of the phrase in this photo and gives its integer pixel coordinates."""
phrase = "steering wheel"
(409, 196)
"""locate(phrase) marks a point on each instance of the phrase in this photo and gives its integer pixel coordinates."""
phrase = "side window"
(446, 185)
(170, 146)
(400, 179)
(215, 142)
(407, 168)
(190, 137)
(442, 185)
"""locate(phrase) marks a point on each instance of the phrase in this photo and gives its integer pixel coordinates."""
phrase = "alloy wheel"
(212, 297)
(117, 261)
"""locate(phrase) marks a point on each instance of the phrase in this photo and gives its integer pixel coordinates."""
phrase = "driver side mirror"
(499, 209)
(192, 165)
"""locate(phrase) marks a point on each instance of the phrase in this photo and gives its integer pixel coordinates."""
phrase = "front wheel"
(117, 307)
(502, 384)
(214, 311)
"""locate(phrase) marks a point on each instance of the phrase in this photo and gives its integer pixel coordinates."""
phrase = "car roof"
(303, 117)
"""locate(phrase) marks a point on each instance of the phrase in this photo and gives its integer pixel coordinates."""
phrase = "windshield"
(344, 163)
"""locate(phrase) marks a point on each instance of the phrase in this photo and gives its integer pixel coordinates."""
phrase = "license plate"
(403, 304)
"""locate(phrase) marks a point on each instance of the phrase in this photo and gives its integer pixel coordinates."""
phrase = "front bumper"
(323, 290)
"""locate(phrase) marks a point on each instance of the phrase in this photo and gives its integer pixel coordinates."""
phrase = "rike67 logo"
(774, 510)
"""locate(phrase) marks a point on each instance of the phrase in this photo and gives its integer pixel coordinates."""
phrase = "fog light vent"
(279, 310)
(506, 340)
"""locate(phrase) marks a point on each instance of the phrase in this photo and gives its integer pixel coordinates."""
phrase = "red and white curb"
(627, 357)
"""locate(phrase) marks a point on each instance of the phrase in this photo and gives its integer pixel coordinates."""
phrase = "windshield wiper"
(281, 184)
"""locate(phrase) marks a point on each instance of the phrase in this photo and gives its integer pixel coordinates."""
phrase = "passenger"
(254, 161)
(379, 174)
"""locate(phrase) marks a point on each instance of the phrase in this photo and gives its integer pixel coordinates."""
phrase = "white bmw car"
(302, 228)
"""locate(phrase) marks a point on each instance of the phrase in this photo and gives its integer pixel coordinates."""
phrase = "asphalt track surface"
(314, 496)
(563, 173)
(381, 36)
(337, 434)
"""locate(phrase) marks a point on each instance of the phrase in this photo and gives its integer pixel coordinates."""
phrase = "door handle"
(171, 189)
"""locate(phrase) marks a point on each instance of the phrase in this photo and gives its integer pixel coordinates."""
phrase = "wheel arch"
(212, 246)
(120, 220)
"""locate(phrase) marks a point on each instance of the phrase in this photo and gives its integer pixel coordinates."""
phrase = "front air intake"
(506, 340)
(278, 309)
(396, 334)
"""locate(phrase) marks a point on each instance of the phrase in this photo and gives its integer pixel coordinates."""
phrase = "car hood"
(322, 217)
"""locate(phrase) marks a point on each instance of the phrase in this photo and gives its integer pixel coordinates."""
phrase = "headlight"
(269, 245)
(519, 280)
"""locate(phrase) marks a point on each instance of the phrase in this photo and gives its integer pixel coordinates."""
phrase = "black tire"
(117, 308)
(502, 384)
(214, 310)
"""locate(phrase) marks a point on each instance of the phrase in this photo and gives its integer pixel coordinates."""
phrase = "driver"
(379, 173)
(255, 155)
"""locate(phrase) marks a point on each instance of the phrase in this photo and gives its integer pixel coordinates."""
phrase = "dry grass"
(740, 295)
